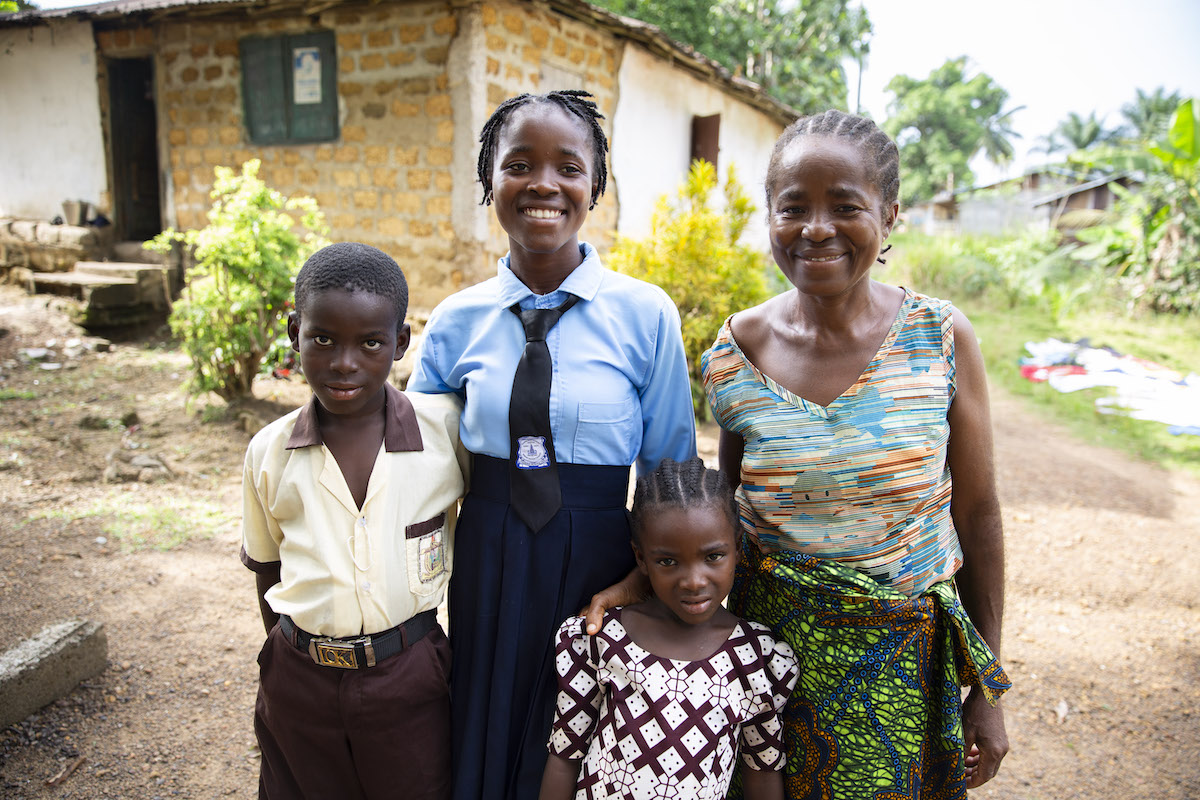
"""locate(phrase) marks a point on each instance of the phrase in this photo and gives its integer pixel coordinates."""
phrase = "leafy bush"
(693, 253)
(1153, 244)
(942, 266)
(1031, 269)
(238, 290)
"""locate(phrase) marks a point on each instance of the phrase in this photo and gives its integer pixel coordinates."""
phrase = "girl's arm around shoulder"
(444, 410)
(976, 511)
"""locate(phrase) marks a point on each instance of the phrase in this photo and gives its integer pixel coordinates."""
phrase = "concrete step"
(98, 291)
(153, 280)
(134, 252)
(117, 294)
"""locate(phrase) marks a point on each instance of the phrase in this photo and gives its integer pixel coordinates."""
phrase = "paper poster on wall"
(306, 75)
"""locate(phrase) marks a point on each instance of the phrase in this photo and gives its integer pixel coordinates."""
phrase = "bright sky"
(1052, 56)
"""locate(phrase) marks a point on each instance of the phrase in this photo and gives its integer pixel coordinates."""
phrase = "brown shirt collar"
(400, 430)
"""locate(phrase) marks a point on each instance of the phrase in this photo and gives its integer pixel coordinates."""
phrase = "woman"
(856, 416)
(606, 352)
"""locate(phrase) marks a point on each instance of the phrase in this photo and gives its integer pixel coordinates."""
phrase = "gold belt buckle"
(340, 653)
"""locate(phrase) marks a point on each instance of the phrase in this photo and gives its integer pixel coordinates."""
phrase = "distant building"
(1037, 199)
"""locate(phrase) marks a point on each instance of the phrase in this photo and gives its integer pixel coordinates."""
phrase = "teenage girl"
(619, 395)
(657, 703)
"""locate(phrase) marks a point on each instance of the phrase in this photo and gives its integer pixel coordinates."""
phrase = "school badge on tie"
(533, 487)
(532, 452)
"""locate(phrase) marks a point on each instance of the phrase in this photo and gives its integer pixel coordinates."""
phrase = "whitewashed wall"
(652, 134)
(51, 143)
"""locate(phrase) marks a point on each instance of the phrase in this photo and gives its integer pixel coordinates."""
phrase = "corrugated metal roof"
(112, 8)
(649, 36)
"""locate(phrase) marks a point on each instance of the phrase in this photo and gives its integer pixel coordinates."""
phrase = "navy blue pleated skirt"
(509, 592)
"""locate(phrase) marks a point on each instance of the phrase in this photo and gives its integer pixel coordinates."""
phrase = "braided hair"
(686, 485)
(573, 101)
(354, 267)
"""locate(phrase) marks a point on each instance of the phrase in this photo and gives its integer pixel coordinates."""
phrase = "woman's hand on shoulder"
(633, 588)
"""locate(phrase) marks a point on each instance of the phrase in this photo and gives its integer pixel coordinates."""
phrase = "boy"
(349, 511)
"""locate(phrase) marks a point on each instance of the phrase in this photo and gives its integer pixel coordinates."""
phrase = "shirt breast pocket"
(425, 545)
(606, 432)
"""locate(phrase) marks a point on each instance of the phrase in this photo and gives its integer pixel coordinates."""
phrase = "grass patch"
(16, 394)
(139, 526)
(1003, 335)
(1005, 319)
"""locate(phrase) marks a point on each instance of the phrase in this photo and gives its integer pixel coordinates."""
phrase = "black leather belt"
(359, 652)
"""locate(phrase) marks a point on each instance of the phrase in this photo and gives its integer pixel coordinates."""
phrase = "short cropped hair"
(355, 267)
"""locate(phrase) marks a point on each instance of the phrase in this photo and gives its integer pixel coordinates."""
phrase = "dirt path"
(1101, 629)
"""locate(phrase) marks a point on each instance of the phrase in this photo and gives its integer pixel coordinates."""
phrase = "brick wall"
(385, 180)
(392, 176)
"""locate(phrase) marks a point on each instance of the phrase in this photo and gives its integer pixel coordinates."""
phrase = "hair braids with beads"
(686, 485)
(573, 101)
(880, 152)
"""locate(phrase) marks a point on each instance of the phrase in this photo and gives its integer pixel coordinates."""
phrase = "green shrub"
(941, 266)
(1029, 268)
(1153, 242)
(239, 289)
(693, 253)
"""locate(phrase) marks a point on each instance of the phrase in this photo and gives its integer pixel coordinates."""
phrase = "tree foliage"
(1149, 113)
(1153, 243)
(792, 48)
(941, 122)
(1076, 132)
(240, 286)
(693, 253)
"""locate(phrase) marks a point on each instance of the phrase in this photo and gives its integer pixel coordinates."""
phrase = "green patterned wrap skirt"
(877, 711)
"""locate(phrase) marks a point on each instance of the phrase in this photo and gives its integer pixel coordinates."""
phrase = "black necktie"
(532, 470)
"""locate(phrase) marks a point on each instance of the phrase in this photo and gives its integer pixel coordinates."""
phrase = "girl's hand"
(633, 588)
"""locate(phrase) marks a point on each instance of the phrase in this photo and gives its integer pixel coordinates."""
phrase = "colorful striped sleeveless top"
(863, 481)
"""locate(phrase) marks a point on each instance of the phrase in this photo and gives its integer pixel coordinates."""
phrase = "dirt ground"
(1101, 629)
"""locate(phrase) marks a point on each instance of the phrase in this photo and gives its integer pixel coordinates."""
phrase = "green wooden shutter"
(272, 113)
(262, 90)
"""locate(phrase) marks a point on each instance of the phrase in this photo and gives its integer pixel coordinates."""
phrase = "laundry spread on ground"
(1144, 390)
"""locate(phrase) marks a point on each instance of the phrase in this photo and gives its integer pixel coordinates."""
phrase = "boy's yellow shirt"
(344, 570)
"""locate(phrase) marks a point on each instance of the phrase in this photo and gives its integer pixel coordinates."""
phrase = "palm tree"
(1079, 133)
(997, 137)
(1150, 112)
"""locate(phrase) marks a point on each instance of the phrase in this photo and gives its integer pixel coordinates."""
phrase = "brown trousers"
(381, 732)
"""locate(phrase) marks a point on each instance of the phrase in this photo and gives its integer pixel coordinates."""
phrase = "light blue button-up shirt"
(620, 393)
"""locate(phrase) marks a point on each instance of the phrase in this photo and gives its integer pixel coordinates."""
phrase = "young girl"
(656, 704)
(604, 353)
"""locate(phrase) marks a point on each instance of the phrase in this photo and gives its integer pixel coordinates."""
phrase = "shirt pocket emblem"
(426, 554)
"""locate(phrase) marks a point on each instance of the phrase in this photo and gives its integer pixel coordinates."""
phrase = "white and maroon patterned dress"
(653, 727)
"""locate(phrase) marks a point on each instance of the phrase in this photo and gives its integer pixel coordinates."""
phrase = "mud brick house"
(373, 108)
